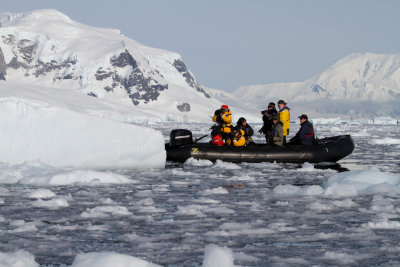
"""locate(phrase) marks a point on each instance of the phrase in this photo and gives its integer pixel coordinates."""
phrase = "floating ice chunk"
(216, 256)
(242, 178)
(306, 167)
(106, 201)
(77, 177)
(197, 162)
(52, 204)
(106, 211)
(382, 224)
(109, 259)
(288, 189)
(345, 203)
(386, 141)
(219, 210)
(241, 256)
(191, 210)
(20, 258)
(42, 193)
(344, 258)
(38, 173)
(341, 190)
(370, 181)
(218, 190)
(288, 261)
(22, 226)
(226, 165)
(145, 202)
(320, 206)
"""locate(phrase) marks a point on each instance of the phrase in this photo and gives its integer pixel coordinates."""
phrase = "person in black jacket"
(246, 128)
(305, 135)
(267, 119)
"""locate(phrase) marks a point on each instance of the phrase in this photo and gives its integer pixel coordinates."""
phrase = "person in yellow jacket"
(236, 138)
(223, 117)
(284, 117)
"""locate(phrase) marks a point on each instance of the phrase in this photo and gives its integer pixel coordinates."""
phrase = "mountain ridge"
(47, 48)
(354, 87)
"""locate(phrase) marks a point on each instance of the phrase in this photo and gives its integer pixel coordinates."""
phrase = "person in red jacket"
(217, 140)
(216, 136)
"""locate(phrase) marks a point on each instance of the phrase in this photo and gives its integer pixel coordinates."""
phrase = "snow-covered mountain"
(359, 85)
(46, 48)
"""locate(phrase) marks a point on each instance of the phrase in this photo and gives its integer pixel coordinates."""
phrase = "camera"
(218, 112)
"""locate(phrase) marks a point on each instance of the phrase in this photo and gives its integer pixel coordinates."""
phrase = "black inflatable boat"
(330, 149)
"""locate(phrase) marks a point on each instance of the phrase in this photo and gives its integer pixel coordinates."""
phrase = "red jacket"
(217, 140)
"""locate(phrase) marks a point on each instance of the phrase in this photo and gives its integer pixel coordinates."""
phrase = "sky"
(230, 43)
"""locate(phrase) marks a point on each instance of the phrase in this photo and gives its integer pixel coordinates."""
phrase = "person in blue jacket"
(305, 135)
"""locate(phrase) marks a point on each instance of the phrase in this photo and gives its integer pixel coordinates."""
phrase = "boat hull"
(329, 149)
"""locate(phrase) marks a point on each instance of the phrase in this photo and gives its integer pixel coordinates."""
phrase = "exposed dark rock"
(9, 39)
(24, 57)
(184, 107)
(3, 66)
(138, 87)
(144, 91)
(318, 89)
(68, 77)
(108, 89)
(42, 68)
(27, 49)
(101, 74)
(124, 59)
(92, 94)
(15, 64)
(181, 67)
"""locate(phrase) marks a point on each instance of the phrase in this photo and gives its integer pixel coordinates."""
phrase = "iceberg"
(36, 129)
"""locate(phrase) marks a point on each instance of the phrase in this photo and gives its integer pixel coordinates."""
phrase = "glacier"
(40, 125)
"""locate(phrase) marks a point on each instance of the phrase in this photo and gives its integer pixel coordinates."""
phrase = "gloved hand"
(217, 112)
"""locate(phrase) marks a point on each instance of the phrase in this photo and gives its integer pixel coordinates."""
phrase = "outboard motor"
(179, 137)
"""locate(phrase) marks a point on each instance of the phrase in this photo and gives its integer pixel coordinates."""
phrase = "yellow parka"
(238, 141)
(226, 121)
(284, 117)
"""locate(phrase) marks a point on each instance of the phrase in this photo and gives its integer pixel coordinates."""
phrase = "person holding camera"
(236, 137)
(247, 129)
(277, 136)
(267, 119)
(223, 118)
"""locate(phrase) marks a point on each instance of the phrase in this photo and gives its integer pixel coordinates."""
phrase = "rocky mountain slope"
(46, 48)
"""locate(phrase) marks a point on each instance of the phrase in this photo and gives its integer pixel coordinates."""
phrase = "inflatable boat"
(330, 149)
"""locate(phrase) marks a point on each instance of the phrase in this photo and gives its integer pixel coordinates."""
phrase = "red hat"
(224, 107)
